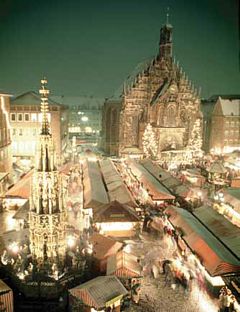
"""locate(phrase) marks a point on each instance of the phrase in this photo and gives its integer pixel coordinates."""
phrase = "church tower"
(47, 217)
(165, 44)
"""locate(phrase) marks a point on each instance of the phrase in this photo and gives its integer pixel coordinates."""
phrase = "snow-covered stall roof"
(94, 192)
(116, 188)
(156, 189)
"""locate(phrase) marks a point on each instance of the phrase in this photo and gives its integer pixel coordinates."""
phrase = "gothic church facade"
(157, 94)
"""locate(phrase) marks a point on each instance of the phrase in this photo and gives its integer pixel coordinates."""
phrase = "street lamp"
(84, 118)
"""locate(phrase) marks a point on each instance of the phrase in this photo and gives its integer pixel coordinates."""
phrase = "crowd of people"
(227, 301)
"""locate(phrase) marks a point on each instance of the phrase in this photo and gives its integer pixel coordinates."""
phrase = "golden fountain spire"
(44, 92)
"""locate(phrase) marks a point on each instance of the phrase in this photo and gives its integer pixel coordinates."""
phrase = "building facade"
(25, 120)
(5, 136)
(85, 117)
(110, 120)
(225, 126)
(5, 143)
(159, 108)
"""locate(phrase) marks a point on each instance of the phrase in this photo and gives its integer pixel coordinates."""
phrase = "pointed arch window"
(171, 116)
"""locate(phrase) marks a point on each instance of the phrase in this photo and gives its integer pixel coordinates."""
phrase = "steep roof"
(223, 96)
(116, 212)
(123, 264)
(207, 108)
(30, 98)
(230, 107)
(142, 66)
(22, 188)
(87, 102)
(161, 90)
(104, 246)
(217, 167)
(4, 287)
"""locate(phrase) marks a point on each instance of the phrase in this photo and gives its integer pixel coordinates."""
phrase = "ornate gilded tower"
(47, 217)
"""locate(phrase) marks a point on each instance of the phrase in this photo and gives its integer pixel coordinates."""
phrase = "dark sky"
(90, 46)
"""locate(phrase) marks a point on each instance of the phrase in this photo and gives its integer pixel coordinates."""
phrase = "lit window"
(13, 131)
(33, 117)
(88, 129)
(20, 117)
(20, 131)
(13, 117)
(84, 118)
(26, 117)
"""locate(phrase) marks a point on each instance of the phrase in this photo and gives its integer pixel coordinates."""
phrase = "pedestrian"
(227, 301)
(234, 307)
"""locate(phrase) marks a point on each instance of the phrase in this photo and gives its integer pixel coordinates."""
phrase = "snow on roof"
(30, 98)
(217, 167)
(230, 107)
(87, 102)
(99, 291)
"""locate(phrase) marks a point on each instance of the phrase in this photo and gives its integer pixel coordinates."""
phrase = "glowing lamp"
(14, 247)
(71, 241)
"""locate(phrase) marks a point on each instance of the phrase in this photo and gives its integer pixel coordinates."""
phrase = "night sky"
(88, 47)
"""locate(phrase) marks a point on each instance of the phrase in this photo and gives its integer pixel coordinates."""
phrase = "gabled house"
(115, 219)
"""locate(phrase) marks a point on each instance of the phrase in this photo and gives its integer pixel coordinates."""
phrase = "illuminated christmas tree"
(149, 142)
(195, 141)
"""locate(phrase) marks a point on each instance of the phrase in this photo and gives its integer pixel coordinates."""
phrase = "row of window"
(232, 132)
(27, 147)
(33, 108)
(25, 131)
(232, 123)
(33, 117)
(231, 141)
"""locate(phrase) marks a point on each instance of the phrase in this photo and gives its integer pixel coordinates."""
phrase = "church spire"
(167, 16)
(44, 92)
(165, 44)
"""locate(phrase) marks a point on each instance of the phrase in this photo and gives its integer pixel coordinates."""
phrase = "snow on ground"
(156, 294)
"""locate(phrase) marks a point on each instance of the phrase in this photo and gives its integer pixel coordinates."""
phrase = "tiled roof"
(104, 246)
(22, 188)
(223, 229)
(118, 213)
(142, 66)
(214, 255)
(99, 291)
(121, 261)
